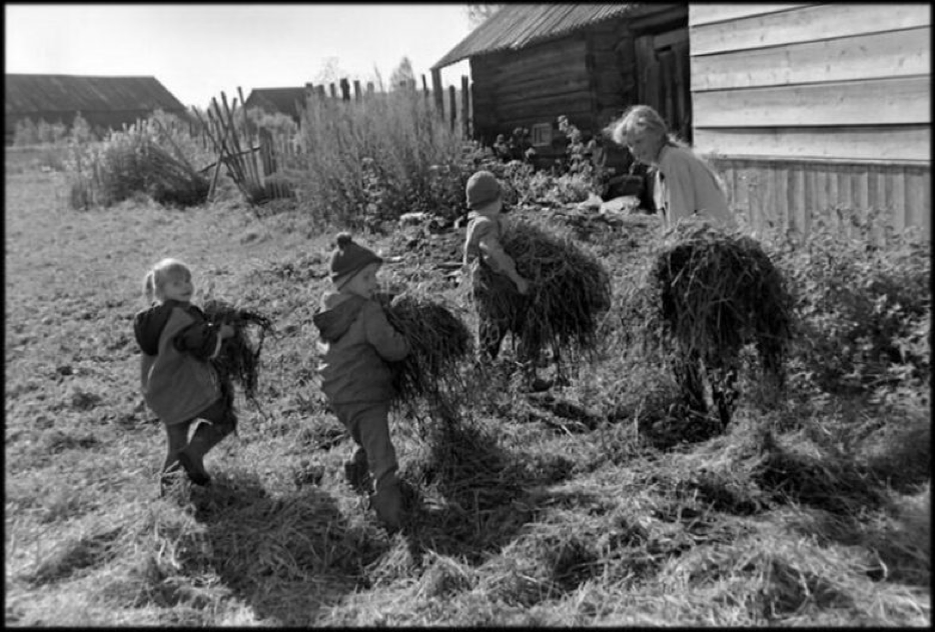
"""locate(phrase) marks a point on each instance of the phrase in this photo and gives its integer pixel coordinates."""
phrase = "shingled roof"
(516, 26)
(25, 94)
(279, 99)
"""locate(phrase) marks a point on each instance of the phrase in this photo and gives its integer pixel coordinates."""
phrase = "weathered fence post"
(356, 90)
(345, 89)
(321, 91)
(439, 94)
(333, 91)
(465, 107)
(370, 88)
(425, 89)
(453, 102)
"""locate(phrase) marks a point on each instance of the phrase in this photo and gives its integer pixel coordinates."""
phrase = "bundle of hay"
(239, 359)
(568, 290)
(708, 292)
(438, 340)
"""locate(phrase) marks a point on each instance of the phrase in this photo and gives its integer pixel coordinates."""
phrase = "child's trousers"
(368, 423)
(190, 454)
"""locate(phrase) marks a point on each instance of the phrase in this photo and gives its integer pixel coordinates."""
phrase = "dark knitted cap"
(482, 188)
(349, 258)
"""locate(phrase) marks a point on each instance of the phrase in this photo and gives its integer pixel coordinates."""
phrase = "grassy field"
(530, 509)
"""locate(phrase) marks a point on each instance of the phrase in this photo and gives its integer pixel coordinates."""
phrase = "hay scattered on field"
(439, 340)
(569, 289)
(709, 292)
(239, 360)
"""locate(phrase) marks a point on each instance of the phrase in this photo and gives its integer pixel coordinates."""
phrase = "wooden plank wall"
(811, 107)
(794, 194)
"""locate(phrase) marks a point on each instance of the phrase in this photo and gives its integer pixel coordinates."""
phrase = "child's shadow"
(470, 496)
(286, 557)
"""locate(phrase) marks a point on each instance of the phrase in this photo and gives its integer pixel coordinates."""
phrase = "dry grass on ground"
(554, 509)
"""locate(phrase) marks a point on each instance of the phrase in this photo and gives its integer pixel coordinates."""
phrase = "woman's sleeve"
(680, 186)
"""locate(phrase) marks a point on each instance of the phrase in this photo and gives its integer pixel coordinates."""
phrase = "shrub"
(376, 159)
(864, 312)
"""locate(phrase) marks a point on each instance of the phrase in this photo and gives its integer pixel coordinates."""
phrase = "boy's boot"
(357, 472)
(207, 435)
(387, 502)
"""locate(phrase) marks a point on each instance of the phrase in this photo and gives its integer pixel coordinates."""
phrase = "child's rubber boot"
(207, 435)
(388, 505)
(357, 473)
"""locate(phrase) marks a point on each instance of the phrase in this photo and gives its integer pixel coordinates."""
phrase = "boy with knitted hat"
(356, 343)
(499, 290)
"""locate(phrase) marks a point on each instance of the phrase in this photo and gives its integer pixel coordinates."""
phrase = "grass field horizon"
(533, 510)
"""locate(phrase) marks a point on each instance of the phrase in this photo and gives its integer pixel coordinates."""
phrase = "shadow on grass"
(286, 556)
(468, 497)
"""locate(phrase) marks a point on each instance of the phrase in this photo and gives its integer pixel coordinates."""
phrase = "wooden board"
(876, 55)
(905, 143)
(807, 24)
(704, 13)
(901, 100)
(798, 194)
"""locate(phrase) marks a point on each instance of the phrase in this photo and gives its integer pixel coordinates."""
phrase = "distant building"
(289, 101)
(104, 102)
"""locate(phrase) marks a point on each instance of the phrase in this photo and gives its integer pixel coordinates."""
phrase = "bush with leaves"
(864, 311)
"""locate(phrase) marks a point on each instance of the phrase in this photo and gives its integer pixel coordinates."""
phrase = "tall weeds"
(378, 158)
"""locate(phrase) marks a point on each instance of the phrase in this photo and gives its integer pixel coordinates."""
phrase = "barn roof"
(283, 99)
(516, 26)
(26, 94)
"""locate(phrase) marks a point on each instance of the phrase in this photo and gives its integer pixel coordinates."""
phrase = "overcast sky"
(196, 51)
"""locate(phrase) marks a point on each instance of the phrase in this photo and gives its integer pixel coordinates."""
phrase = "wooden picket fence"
(252, 155)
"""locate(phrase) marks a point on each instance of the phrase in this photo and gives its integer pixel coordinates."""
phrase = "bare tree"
(478, 13)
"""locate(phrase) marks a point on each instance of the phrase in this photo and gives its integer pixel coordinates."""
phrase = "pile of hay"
(569, 290)
(709, 292)
(439, 340)
(239, 359)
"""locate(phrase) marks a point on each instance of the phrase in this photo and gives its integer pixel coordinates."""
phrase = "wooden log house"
(531, 64)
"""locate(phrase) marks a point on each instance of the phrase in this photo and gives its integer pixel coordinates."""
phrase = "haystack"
(239, 360)
(569, 290)
(438, 340)
(709, 292)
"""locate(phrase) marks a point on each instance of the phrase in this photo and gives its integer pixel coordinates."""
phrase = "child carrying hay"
(357, 343)
(178, 380)
(559, 304)
(708, 293)
(239, 359)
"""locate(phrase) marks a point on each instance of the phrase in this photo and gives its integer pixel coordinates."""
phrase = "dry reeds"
(710, 292)
(438, 341)
(239, 359)
(568, 290)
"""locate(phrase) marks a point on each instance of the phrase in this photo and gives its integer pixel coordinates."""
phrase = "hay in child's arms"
(569, 289)
(438, 338)
(239, 359)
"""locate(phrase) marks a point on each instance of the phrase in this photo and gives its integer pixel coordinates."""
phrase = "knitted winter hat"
(349, 258)
(482, 189)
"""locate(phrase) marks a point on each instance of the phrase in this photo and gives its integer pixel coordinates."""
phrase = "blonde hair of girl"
(156, 278)
(639, 120)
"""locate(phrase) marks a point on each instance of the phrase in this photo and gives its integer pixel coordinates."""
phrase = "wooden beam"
(439, 94)
(704, 13)
(465, 107)
(876, 55)
(809, 24)
(902, 100)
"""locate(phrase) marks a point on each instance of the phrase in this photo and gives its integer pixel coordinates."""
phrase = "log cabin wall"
(812, 111)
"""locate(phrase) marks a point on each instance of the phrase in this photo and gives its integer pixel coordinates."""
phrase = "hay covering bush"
(239, 360)
(439, 340)
(707, 293)
(569, 290)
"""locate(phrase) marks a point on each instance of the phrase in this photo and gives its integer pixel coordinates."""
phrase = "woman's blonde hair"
(157, 276)
(638, 120)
